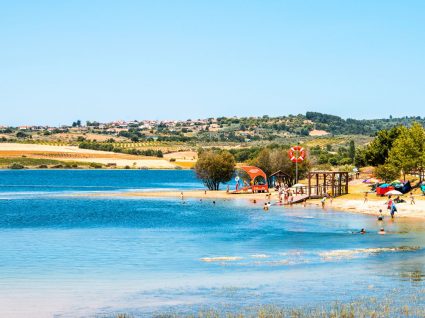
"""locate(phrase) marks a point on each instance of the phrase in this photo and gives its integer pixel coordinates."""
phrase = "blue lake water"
(72, 255)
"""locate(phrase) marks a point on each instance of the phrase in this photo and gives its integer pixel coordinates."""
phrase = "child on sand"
(365, 197)
(412, 198)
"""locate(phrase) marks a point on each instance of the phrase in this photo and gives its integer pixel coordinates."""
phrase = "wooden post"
(309, 184)
(317, 184)
(333, 184)
(346, 183)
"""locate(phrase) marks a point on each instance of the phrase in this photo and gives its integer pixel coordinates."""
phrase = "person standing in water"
(393, 209)
(389, 203)
(323, 202)
(380, 216)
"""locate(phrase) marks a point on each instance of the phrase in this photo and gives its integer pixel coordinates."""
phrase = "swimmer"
(381, 231)
(362, 231)
(266, 207)
(254, 201)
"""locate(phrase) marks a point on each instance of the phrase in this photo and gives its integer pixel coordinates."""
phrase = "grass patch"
(185, 164)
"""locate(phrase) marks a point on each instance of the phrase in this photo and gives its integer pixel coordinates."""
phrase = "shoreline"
(343, 204)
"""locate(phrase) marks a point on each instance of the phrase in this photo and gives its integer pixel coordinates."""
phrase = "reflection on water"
(102, 255)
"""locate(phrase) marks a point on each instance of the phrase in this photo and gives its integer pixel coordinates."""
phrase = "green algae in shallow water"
(414, 306)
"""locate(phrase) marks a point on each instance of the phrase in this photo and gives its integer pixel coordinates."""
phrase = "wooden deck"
(299, 198)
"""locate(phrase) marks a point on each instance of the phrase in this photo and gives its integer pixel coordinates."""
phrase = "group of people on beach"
(286, 194)
(391, 207)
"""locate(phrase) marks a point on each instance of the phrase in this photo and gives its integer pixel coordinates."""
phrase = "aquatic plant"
(413, 306)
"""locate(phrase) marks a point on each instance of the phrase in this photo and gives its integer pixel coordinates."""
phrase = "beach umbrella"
(393, 192)
(298, 185)
(396, 181)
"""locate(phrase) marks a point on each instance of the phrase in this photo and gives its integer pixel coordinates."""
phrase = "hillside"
(210, 130)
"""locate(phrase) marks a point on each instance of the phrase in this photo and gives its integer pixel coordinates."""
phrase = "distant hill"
(338, 126)
(215, 130)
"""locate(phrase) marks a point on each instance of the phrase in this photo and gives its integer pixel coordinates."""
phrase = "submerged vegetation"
(366, 307)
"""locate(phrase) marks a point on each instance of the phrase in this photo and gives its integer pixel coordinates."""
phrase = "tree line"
(110, 147)
(395, 151)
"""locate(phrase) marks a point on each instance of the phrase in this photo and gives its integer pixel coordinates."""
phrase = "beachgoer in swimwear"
(380, 216)
(323, 202)
(381, 231)
(393, 210)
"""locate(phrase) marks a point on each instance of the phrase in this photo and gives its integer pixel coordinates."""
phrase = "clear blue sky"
(103, 60)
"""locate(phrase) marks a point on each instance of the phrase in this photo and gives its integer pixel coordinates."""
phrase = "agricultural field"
(34, 155)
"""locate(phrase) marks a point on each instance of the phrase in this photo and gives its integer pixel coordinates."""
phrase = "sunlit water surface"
(70, 255)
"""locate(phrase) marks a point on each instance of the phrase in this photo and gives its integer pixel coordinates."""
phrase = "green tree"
(277, 159)
(263, 161)
(22, 135)
(352, 151)
(214, 168)
(387, 172)
(376, 153)
(417, 133)
(407, 151)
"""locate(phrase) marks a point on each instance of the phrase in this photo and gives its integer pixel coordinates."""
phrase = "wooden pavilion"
(323, 183)
(280, 178)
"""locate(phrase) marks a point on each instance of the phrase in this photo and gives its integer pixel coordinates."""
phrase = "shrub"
(16, 165)
(95, 165)
(346, 161)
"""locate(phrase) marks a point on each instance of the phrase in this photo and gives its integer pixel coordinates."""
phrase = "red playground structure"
(258, 179)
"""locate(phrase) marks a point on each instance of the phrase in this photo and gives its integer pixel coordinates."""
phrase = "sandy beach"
(344, 203)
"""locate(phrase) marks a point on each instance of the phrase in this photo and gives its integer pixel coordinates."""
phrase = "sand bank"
(343, 203)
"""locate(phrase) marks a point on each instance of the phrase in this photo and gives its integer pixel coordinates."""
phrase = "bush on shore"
(16, 166)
